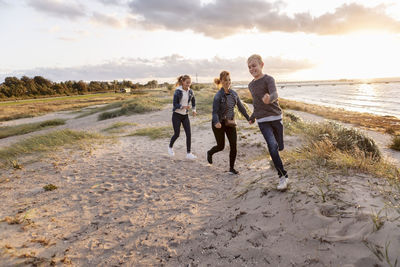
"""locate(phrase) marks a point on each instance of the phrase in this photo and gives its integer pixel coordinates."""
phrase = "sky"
(142, 40)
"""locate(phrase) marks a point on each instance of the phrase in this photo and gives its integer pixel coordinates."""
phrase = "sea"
(379, 98)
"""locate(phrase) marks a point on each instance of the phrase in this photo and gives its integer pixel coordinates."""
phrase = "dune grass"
(334, 148)
(43, 143)
(154, 132)
(136, 105)
(36, 107)
(7, 131)
(117, 127)
(395, 143)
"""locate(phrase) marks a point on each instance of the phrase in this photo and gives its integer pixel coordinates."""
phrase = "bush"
(395, 143)
(344, 139)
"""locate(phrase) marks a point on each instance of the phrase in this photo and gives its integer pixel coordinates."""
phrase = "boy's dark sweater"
(258, 88)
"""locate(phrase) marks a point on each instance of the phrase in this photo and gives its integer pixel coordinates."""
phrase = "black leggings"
(220, 138)
(177, 119)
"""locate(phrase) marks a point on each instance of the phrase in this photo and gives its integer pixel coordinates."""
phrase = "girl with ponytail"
(183, 96)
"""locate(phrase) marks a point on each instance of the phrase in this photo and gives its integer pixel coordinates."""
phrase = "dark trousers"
(273, 135)
(220, 138)
(177, 120)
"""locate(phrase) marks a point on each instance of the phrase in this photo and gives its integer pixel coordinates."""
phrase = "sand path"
(128, 203)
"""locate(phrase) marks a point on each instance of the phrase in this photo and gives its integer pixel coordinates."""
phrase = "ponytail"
(222, 76)
(181, 79)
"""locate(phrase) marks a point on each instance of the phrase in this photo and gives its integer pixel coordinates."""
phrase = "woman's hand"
(186, 107)
(194, 113)
(266, 98)
(218, 125)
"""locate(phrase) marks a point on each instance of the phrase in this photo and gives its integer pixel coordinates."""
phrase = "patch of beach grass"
(344, 139)
(50, 187)
(395, 143)
(7, 131)
(43, 143)
(292, 124)
(334, 148)
(154, 132)
(135, 106)
(117, 127)
(95, 110)
(35, 107)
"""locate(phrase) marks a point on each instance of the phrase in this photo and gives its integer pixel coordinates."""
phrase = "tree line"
(14, 88)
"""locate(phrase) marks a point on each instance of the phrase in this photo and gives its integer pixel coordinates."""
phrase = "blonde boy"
(268, 114)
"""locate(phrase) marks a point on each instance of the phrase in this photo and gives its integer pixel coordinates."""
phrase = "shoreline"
(383, 124)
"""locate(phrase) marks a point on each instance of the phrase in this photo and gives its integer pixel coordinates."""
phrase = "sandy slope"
(128, 203)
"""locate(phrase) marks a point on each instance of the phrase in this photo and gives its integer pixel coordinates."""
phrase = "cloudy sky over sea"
(159, 39)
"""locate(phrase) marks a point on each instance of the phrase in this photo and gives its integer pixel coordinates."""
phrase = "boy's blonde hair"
(255, 57)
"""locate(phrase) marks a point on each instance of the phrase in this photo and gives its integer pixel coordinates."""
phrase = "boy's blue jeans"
(273, 134)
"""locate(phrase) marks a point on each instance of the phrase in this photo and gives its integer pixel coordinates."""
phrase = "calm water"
(376, 98)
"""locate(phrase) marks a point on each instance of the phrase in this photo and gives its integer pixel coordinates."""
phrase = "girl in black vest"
(223, 119)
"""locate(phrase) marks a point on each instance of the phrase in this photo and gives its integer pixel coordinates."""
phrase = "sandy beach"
(127, 203)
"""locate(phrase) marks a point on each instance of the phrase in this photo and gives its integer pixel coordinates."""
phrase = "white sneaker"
(283, 183)
(190, 156)
(171, 151)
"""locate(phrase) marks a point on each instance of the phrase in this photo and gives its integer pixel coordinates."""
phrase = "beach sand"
(128, 203)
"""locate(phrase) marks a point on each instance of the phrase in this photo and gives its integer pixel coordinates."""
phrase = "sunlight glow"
(366, 90)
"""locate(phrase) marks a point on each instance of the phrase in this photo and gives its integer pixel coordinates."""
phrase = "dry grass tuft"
(8, 131)
(154, 132)
(43, 143)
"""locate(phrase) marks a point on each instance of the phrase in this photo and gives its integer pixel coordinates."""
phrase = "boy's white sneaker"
(171, 151)
(190, 156)
(283, 183)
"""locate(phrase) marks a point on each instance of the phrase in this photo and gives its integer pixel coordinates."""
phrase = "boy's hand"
(186, 107)
(251, 121)
(266, 98)
(218, 125)
(194, 113)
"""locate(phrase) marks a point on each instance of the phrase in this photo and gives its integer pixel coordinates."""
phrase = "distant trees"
(38, 86)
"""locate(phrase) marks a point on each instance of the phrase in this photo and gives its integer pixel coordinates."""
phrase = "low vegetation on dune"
(338, 149)
(42, 143)
(7, 131)
(118, 127)
(154, 132)
(37, 107)
(395, 142)
(136, 105)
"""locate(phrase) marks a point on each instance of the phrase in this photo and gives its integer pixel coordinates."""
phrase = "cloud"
(112, 2)
(106, 20)
(164, 69)
(221, 18)
(58, 8)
